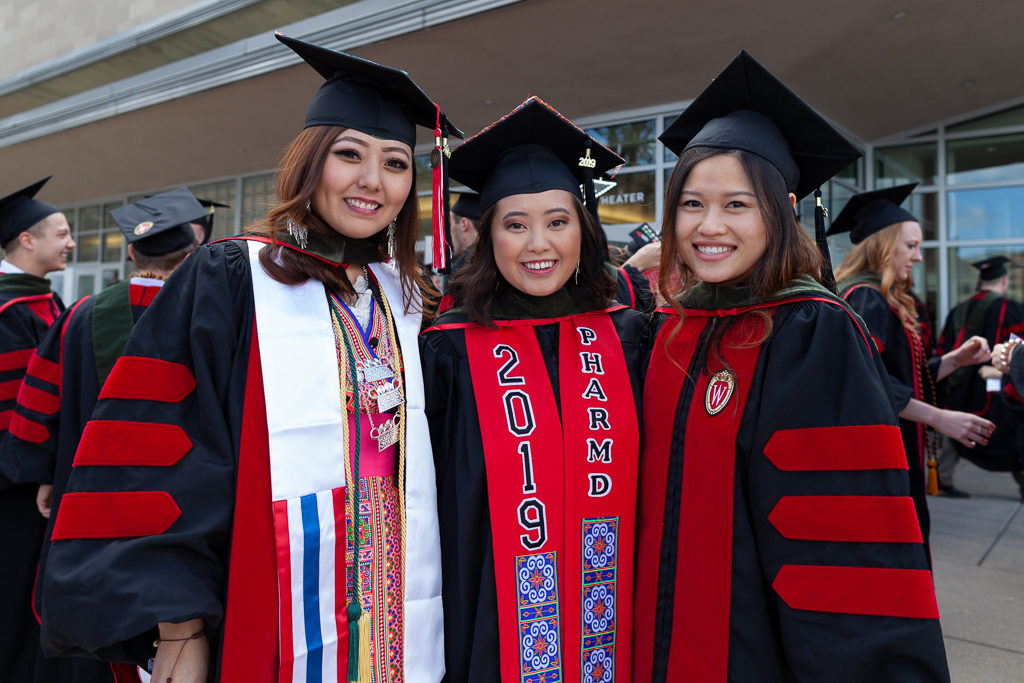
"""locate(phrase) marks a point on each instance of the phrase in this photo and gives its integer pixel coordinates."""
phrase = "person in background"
(875, 278)
(988, 313)
(205, 225)
(255, 492)
(776, 540)
(1007, 361)
(533, 384)
(465, 215)
(36, 240)
(68, 369)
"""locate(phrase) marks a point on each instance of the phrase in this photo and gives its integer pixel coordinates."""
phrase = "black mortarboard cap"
(161, 223)
(747, 108)
(19, 211)
(991, 268)
(366, 96)
(868, 212)
(532, 149)
(468, 206)
(207, 221)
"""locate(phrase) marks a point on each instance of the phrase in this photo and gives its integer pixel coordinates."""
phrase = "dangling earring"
(577, 272)
(309, 207)
(298, 232)
(392, 229)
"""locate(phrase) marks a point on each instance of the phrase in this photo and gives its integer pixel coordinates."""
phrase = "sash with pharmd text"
(562, 494)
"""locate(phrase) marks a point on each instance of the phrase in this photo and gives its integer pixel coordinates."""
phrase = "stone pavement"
(978, 555)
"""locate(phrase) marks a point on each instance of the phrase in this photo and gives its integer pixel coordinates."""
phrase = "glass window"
(89, 218)
(632, 200)
(112, 242)
(87, 249)
(111, 276)
(86, 285)
(926, 284)
(992, 213)
(1008, 117)
(906, 164)
(635, 141)
(925, 205)
(985, 160)
(963, 278)
(259, 194)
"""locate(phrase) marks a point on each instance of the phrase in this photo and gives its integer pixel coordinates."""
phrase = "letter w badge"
(720, 388)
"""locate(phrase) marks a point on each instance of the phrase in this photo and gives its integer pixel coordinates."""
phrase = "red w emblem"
(720, 388)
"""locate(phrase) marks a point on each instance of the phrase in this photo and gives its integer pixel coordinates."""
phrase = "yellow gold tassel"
(933, 477)
(364, 647)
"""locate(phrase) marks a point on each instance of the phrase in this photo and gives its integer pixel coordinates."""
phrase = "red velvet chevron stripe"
(28, 430)
(820, 449)
(124, 514)
(121, 442)
(15, 360)
(45, 370)
(9, 390)
(148, 379)
(858, 590)
(38, 400)
(855, 519)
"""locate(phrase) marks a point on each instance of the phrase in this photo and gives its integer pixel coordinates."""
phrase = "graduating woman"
(264, 432)
(533, 383)
(776, 540)
(875, 279)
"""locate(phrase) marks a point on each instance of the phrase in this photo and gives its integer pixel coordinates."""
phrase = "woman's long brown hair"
(298, 176)
(874, 255)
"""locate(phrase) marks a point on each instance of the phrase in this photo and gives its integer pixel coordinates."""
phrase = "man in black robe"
(36, 240)
(68, 369)
(990, 314)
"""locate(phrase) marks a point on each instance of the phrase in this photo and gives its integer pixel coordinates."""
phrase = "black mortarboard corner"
(468, 206)
(161, 223)
(868, 212)
(19, 211)
(992, 268)
(747, 108)
(532, 149)
(387, 104)
(207, 222)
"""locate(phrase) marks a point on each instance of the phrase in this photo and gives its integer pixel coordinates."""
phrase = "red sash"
(562, 497)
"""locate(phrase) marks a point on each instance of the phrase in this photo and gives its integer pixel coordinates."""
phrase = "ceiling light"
(899, 14)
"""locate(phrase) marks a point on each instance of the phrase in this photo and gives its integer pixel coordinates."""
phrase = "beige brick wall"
(36, 31)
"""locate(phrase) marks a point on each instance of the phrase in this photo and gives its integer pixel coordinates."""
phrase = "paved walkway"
(978, 554)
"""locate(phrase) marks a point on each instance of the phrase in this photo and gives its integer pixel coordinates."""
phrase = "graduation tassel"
(828, 278)
(933, 476)
(588, 164)
(439, 205)
(354, 614)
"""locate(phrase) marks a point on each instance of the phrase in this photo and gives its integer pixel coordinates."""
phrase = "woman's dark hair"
(298, 176)
(789, 253)
(476, 286)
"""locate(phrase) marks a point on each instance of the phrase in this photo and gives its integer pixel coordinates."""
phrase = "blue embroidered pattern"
(600, 554)
(537, 593)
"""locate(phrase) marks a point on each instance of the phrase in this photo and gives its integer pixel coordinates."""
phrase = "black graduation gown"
(896, 346)
(69, 366)
(104, 598)
(995, 318)
(770, 570)
(27, 309)
(634, 290)
(467, 557)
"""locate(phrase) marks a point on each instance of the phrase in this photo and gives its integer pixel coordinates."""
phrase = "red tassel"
(440, 250)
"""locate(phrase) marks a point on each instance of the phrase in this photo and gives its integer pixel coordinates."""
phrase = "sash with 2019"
(562, 496)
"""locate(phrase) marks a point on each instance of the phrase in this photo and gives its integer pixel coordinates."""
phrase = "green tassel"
(353, 612)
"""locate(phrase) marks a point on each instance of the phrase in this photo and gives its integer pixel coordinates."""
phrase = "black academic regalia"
(899, 348)
(104, 598)
(634, 290)
(467, 556)
(27, 309)
(748, 572)
(995, 318)
(70, 365)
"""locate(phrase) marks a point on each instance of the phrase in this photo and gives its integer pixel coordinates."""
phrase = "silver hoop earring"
(298, 232)
(392, 229)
